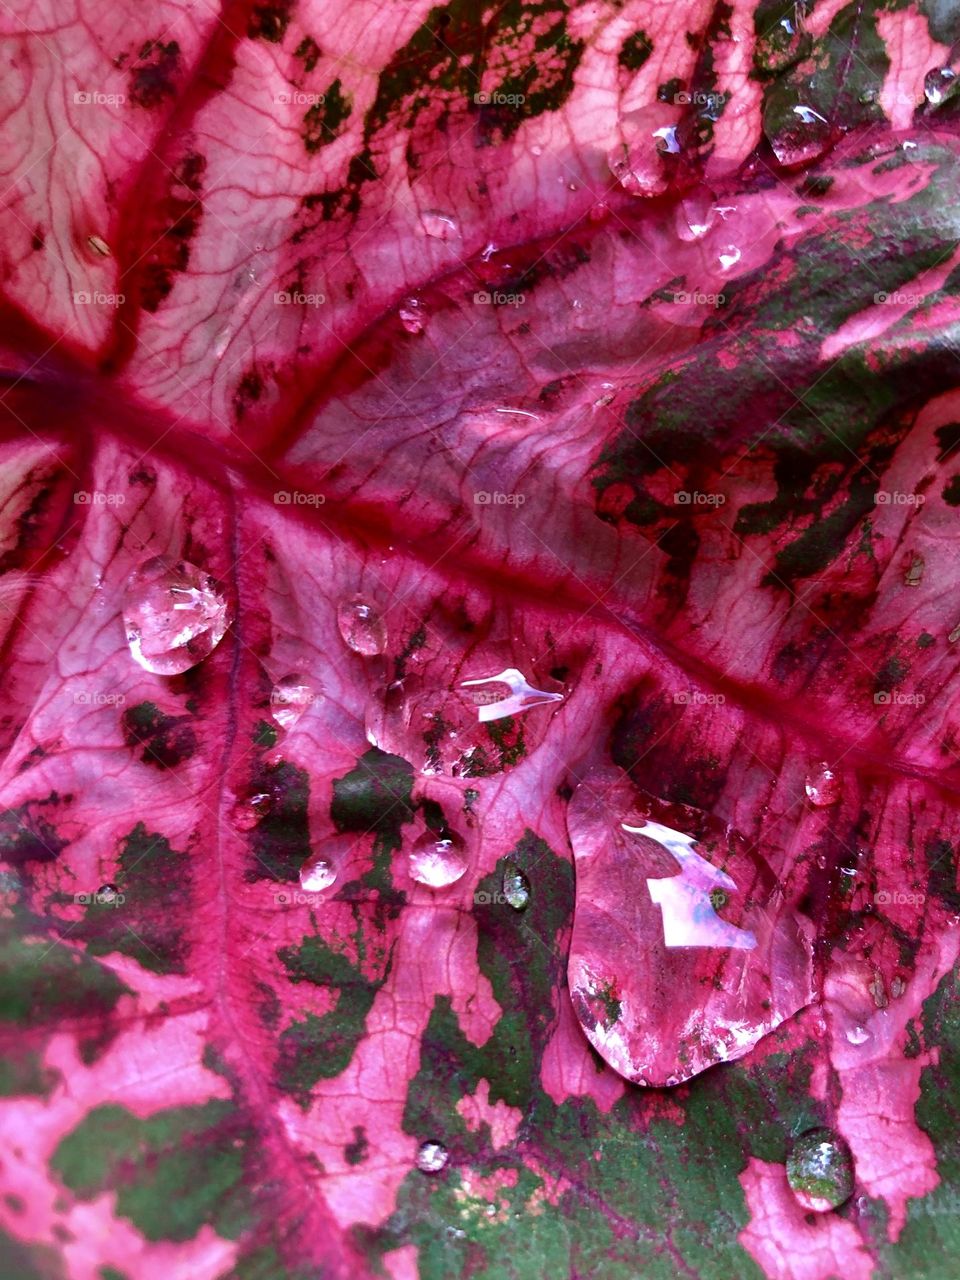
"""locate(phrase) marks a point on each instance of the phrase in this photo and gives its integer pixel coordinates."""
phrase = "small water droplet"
(290, 698)
(317, 874)
(174, 615)
(361, 626)
(522, 695)
(251, 809)
(729, 255)
(107, 893)
(799, 137)
(820, 1170)
(412, 316)
(937, 84)
(667, 142)
(439, 226)
(822, 786)
(432, 1157)
(696, 214)
(516, 887)
(437, 861)
(858, 1035)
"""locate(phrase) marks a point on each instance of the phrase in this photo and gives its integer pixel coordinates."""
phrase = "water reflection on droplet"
(858, 1035)
(361, 626)
(432, 1157)
(251, 809)
(412, 315)
(937, 84)
(439, 225)
(666, 140)
(522, 696)
(174, 615)
(820, 1170)
(317, 874)
(516, 887)
(437, 861)
(822, 786)
(107, 894)
(696, 214)
(729, 256)
(290, 698)
(799, 137)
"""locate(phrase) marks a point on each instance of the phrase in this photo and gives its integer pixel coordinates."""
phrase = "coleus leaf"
(571, 346)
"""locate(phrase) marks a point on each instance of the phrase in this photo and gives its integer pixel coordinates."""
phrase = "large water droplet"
(798, 137)
(696, 214)
(432, 1157)
(724, 958)
(290, 698)
(822, 786)
(437, 861)
(440, 226)
(174, 615)
(522, 696)
(362, 626)
(317, 874)
(820, 1170)
(666, 140)
(516, 887)
(938, 84)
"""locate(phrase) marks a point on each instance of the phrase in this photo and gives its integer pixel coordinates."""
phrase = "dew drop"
(361, 626)
(799, 137)
(412, 316)
(730, 255)
(432, 1157)
(107, 894)
(251, 809)
(667, 143)
(822, 786)
(439, 226)
(696, 214)
(858, 1035)
(516, 887)
(174, 615)
(317, 874)
(290, 698)
(820, 1170)
(437, 861)
(937, 84)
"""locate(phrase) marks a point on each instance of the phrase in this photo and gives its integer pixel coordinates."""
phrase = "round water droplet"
(938, 84)
(174, 615)
(412, 315)
(696, 214)
(437, 861)
(799, 136)
(107, 893)
(820, 1170)
(432, 1157)
(822, 786)
(361, 626)
(440, 226)
(290, 698)
(251, 809)
(729, 255)
(317, 874)
(516, 887)
(858, 1035)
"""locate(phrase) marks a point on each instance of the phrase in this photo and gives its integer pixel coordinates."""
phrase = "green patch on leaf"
(280, 841)
(42, 982)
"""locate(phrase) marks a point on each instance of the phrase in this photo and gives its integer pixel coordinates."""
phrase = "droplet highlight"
(174, 615)
(437, 861)
(516, 888)
(522, 696)
(317, 874)
(820, 1170)
(362, 626)
(290, 699)
(432, 1157)
(822, 786)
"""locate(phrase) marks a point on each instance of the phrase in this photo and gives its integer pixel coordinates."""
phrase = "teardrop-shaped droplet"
(174, 615)
(317, 874)
(437, 861)
(432, 1157)
(362, 626)
(290, 698)
(412, 315)
(798, 136)
(516, 887)
(938, 84)
(725, 958)
(820, 1170)
(439, 225)
(822, 786)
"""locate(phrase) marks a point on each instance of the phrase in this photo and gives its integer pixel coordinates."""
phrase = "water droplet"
(290, 698)
(696, 214)
(729, 255)
(858, 1035)
(437, 861)
(822, 786)
(938, 84)
(317, 874)
(667, 142)
(362, 627)
(516, 887)
(174, 615)
(820, 1170)
(107, 894)
(522, 696)
(798, 137)
(439, 226)
(726, 958)
(432, 1157)
(251, 809)
(412, 315)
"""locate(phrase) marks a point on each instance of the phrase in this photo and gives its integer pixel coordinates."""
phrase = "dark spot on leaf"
(154, 78)
(322, 122)
(166, 740)
(270, 21)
